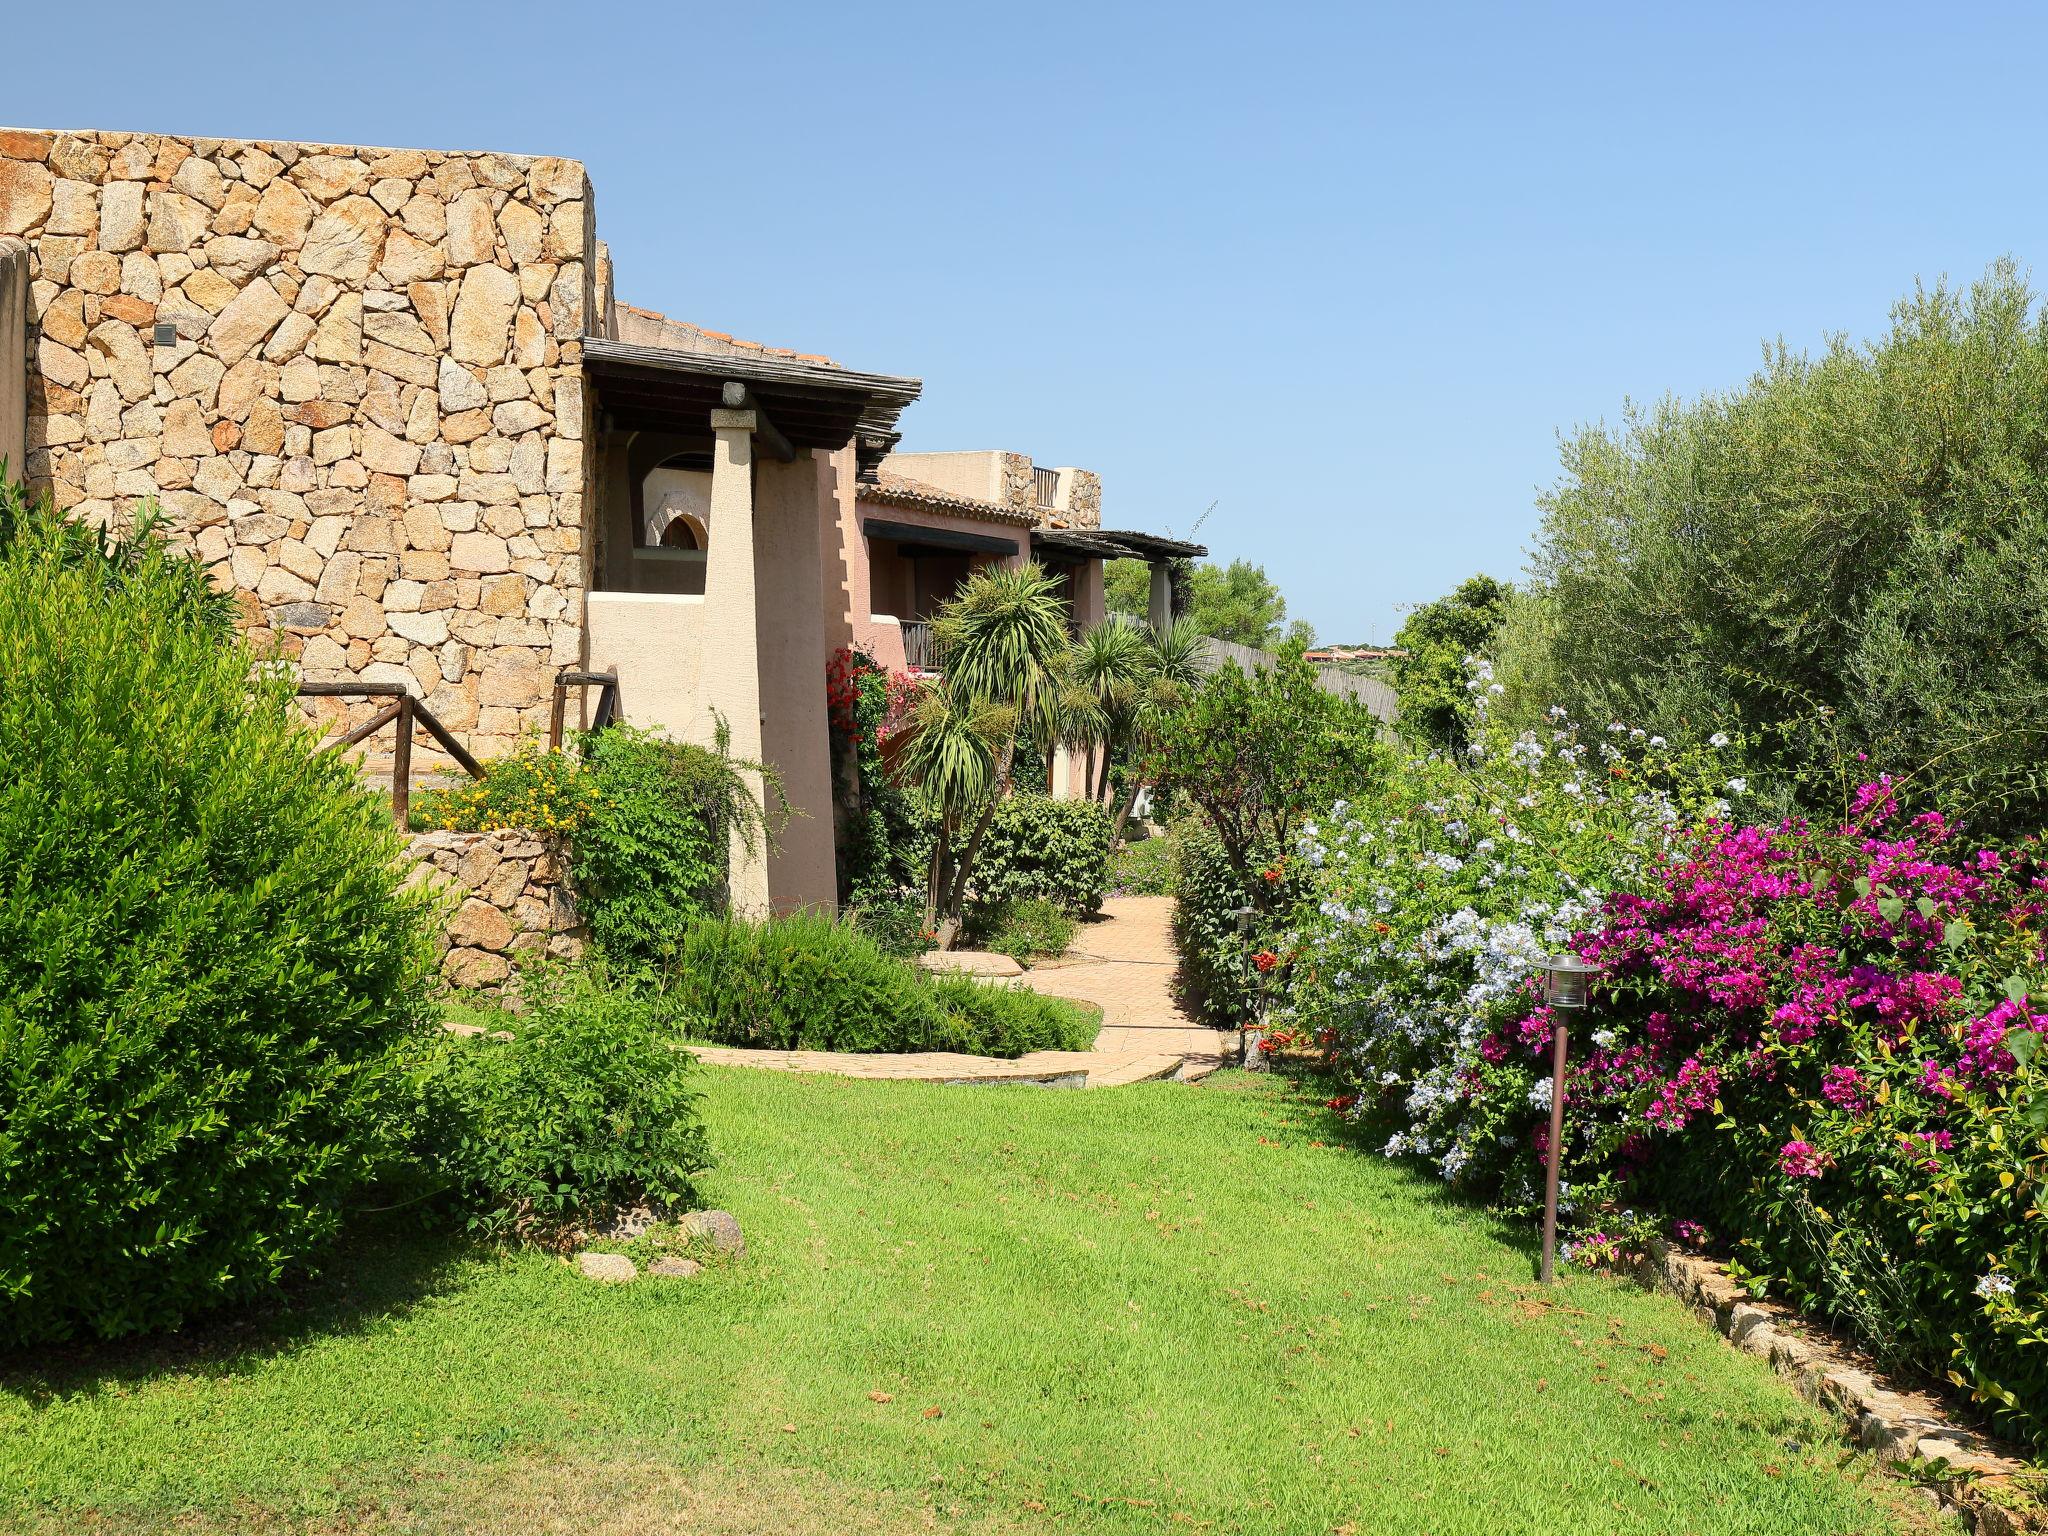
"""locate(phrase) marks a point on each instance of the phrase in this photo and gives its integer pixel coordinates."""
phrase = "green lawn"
(1161, 1308)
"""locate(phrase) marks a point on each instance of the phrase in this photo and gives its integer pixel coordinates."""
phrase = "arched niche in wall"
(671, 480)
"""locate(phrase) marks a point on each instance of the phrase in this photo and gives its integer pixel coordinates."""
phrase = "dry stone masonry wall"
(367, 410)
(511, 897)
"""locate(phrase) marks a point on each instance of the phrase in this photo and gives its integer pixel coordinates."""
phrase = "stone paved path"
(1124, 962)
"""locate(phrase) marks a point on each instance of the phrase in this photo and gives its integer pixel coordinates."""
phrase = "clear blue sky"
(1344, 270)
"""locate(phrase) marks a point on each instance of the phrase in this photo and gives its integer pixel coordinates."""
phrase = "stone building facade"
(351, 378)
(389, 397)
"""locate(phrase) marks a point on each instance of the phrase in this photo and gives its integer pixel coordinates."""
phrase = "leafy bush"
(529, 789)
(806, 982)
(1256, 752)
(1849, 551)
(647, 820)
(585, 1107)
(651, 856)
(1215, 953)
(1023, 930)
(1042, 849)
(1435, 645)
(1425, 908)
(1036, 849)
(866, 702)
(1143, 869)
(1012, 1021)
(208, 961)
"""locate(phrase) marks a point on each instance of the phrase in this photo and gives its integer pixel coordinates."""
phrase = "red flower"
(1265, 959)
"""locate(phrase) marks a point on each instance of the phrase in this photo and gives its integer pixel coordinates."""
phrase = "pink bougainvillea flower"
(1803, 1160)
(1844, 1088)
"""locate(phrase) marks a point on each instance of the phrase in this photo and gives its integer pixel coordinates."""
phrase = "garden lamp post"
(1565, 980)
(1253, 1029)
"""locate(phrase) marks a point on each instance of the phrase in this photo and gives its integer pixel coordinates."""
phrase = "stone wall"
(512, 897)
(368, 411)
(1084, 500)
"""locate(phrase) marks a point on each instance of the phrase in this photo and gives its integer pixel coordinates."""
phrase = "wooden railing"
(607, 684)
(920, 646)
(407, 712)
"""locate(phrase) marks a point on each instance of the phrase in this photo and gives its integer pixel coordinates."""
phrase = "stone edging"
(1897, 1425)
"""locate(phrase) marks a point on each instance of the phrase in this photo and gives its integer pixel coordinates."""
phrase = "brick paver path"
(1124, 962)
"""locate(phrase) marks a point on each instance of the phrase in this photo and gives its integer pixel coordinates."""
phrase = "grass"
(1148, 1309)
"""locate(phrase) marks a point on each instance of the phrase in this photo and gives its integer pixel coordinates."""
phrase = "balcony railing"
(920, 646)
(1047, 482)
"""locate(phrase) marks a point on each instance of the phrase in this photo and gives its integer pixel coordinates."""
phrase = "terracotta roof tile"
(740, 343)
(902, 491)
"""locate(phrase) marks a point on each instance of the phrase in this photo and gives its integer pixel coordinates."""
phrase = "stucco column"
(730, 688)
(1161, 605)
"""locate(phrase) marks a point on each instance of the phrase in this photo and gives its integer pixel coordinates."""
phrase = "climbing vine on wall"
(867, 703)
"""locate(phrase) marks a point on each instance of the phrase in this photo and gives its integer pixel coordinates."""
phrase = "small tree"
(1008, 683)
(1438, 637)
(1259, 751)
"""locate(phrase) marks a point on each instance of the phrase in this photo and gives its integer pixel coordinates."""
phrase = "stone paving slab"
(1123, 962)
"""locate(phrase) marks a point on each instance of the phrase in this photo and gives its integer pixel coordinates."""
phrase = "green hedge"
(208, 962)
(806, 982)
(1037, 849)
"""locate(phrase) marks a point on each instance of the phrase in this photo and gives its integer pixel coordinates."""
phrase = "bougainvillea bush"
(1814, 1048)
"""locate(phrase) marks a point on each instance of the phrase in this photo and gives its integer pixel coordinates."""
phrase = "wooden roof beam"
(738, 397)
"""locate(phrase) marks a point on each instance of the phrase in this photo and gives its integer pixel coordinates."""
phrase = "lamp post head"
(1565, 979)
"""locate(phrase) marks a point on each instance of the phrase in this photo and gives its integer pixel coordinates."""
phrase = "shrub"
(529, 789)
(806, 982)
(208, 960)
(1256, 752)
(585, 1107)
(1143, 869)
(1425, 907)
(1215, 953)
(647, 820)
(865, 702)
(1037, 849)
(651, 855)
(1023, 930)
(1042, 849)
(1814, 1046)
(1011, 1021)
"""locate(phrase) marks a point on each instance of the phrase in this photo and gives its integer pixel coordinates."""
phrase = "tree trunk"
(956, 896)
(938, 871)
(1116, 832)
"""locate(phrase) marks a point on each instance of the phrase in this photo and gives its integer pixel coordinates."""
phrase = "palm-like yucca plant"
(1008, 683)
(1173, 670)
(1112, 666)
(951, 754)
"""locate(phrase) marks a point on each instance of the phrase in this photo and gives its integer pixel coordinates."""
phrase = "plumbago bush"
(1429, 905)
